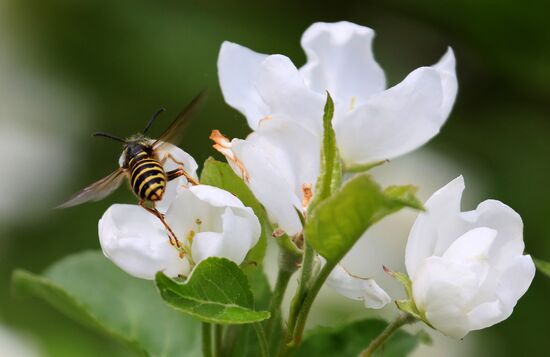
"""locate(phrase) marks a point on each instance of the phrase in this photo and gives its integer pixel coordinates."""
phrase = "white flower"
(206, 220)
(383, 244)
(284, 106)
(467, 268)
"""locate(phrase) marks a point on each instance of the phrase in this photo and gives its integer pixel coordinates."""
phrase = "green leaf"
(216, 292)
(91, 290)
(221, 175)
(330, 174)
(364, 167)
(407, 305)
(542, 266)
(241, 340)
(351, 339)
(340, 220)
(403, 279)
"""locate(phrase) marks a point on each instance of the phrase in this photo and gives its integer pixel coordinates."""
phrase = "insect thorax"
(136, 149)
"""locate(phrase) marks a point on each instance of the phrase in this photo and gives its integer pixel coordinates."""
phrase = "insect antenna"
(110, 136)
(152, 119)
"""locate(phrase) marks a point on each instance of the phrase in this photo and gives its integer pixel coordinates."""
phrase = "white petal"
(510, 287)
(486, 314)
(400, 119)
(446, 68)
(340, 60)
(424, 234)
(220, 224)
(500, 217)
(357, 288)
(443, 290)
(189, 163)
(137, 242)
(269, 185)
(450, 320)
(174, 187)
(190, 213)
(283, 89)
(241, 231)
(472, 245)
(216, 196)
(279, 159)
(238, 69)
(206, 245)
(515, 281)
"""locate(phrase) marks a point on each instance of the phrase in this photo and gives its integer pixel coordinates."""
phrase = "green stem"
(300, 323)
(302, 291)
(387, 333)
(206, 339)
(232, 334)
(288, 264)
(287, 246)
(261, 338)
(307, 268)
(283, 277)
(218, 336)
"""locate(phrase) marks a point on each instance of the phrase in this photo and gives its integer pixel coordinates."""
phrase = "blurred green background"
(69, 68)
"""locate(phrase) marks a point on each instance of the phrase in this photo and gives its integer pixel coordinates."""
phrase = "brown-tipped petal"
(223, 145)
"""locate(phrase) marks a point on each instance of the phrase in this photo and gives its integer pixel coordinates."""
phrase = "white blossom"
(207, 221)
(284, 106)
(467, 268)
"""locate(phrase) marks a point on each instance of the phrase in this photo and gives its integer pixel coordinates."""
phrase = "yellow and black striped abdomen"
(147, 178)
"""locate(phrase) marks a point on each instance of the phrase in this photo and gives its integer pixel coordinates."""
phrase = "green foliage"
(407, 305)
(220, 174)
(330, 174)
(216, 292)
(340, 220)
(542, 266)
(89, 289)
(241, 340)
(351, 339)
(363, 167)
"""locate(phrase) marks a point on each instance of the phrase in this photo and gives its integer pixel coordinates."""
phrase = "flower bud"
(467, 268)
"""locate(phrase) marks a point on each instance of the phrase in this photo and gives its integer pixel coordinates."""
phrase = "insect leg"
(173, 239)
(170, 175)
(178, 172)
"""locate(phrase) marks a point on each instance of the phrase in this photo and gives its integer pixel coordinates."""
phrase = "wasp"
(142, 165)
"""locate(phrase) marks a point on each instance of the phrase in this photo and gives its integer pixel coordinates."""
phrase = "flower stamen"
(307, 194)
(266, 118)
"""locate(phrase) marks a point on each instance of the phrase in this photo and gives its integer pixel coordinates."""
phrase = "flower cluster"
(466, 285)
(466, 270)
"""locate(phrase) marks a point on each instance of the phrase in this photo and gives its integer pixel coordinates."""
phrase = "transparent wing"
(98, 190)
(173, 133)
